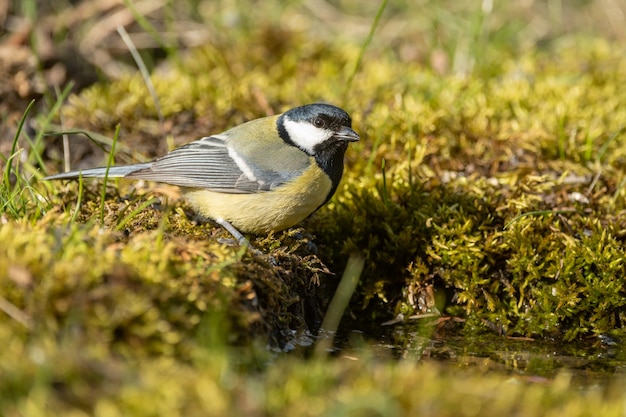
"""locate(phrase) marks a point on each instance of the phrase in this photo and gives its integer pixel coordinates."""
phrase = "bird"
(262, 176)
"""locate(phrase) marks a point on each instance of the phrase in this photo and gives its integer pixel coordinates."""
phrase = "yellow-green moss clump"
(506, 193)
(504, 190)
(212, 386)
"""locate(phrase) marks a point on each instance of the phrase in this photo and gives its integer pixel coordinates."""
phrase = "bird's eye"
(319, 123)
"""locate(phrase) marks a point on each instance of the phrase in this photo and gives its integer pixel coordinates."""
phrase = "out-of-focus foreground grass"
(486, 194)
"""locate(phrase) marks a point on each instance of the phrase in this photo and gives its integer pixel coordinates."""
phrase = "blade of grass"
(385, 195)
(9, 161)
(106, 173)
(79, 199)
(66, 139)
(150, 29)
(605, 145)
(536, 213)
(144, 74)
(368, 40)
(138, 209)
(340, 301)
(97, 139)
(36, 143)
(11, 197)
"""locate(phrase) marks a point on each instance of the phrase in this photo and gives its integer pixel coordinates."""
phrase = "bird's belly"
(274, 210)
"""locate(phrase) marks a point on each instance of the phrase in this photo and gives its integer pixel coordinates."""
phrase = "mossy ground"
(486, 196)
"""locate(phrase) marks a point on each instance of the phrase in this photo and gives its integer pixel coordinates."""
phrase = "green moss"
(163, 386)
(448, 163)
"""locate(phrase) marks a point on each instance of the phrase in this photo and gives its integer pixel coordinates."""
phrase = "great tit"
(264, 175)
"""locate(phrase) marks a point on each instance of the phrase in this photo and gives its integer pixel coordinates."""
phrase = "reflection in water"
(593, 362)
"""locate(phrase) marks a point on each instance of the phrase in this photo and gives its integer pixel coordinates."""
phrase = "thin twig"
(15, 313)
(144, 73)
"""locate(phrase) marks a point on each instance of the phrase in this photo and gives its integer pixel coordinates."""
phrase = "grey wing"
(209, 163)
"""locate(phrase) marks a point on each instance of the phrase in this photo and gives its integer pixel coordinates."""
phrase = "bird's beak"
(347, 134)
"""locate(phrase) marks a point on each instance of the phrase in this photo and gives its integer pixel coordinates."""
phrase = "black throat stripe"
(328, 155)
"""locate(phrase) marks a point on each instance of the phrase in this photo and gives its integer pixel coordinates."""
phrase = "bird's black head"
(321, 130)
(317, 127)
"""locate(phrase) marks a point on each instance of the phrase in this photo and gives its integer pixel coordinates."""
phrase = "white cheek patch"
(243, 166)
(305, 135)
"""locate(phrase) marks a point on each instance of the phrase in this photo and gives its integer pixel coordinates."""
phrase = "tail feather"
(114, 172)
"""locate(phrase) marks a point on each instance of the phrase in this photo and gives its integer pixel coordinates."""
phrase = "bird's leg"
(233, 231)
(240, 238)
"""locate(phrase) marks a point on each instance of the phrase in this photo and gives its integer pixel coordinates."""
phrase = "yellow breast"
(263, 212)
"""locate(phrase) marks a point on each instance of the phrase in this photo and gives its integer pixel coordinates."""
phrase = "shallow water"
(592, 362)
